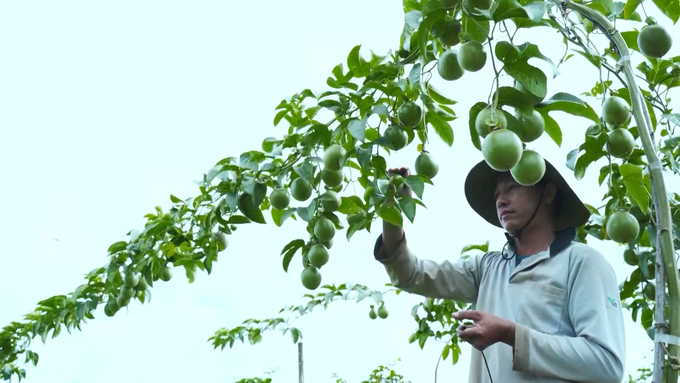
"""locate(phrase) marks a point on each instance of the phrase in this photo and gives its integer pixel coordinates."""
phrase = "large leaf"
(441, 127)
(593, 152)
(552, 128)
(630, 7)
(356, 63)
(531, 78)
(474, 111)
(478, 29)
(630, 37)
(513, 97)
(632, 179)
(670, 8)
(246, 206)
(508, 9)
(357, 128)
(416, 184)
(438, 97)
(392, 215)
(424, 30)
(280, 216)
(408, 206)
(568, 103)
(529, 50)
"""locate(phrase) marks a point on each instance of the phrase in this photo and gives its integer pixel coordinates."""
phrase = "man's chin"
(510, 227)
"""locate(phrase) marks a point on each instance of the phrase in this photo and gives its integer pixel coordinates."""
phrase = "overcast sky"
(107, 108)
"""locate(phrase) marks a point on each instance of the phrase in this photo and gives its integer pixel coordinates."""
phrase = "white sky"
(108, 108)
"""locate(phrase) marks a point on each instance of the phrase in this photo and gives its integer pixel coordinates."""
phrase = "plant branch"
(660, 196)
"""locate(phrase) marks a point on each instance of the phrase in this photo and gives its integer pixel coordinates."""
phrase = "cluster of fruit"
(382, 312)
(622, 226)
(134, 285)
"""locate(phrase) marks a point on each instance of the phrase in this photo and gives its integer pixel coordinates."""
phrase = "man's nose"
(501, 202)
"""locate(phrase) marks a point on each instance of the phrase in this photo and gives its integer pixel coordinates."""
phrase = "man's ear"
(550, 193)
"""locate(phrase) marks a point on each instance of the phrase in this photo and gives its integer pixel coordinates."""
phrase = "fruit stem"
(495, 71)
(665, 251)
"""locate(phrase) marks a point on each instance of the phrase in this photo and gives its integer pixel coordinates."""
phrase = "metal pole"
(301, 370)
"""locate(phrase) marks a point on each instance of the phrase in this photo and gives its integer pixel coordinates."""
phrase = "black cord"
(487, 366)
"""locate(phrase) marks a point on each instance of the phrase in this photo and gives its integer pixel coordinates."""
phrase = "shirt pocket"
(541, 307)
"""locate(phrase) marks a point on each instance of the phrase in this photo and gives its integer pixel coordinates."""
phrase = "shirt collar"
(562, 239)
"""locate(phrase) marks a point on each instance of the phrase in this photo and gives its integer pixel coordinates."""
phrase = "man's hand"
(404, 172)
(486, 330)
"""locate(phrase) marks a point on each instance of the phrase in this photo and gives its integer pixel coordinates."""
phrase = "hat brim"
(480, 187)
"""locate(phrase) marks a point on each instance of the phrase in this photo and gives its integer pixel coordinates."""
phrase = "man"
(548, 307)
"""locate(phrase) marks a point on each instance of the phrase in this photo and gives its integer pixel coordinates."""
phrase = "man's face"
(515, 204)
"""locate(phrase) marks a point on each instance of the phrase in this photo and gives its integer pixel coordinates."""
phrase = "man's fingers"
(403, 171)
(468, 333)
(468, 314)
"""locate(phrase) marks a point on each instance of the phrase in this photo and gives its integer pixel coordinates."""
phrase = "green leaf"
(529, 50)
(478, 29)
(474, 111)
(568, 103)
(629, 8)
(296, 243)
(280, 216)
(646, 318)
(364, 156)
(445, 352)
(412, 18)
(279, 116)
(571, 159)
(306, 213)
(552, 128)
(295, 334)
(414, 75)
(632, 179)
(118, 246)
(237, 219)
(670, 8)
(255, 188)
(438, 97)
(380, 109)
(246, 206)
(408, 206)
(416, 184)
(392, 215)
(511, 96)
(531, 78)
(272, 145)
(595, 60)
(357, 128)
(630, 37)
(593, 147)
(304, 169)
(289, 251)
(356, 63)
(508, 9)
(484, 248)
(441, 127)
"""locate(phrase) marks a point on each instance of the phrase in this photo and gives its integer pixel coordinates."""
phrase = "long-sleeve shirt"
(564, 300)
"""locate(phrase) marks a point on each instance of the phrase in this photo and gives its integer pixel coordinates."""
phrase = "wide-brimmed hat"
(480, 187)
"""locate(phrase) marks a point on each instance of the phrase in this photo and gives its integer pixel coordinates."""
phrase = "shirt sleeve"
(597, 353)
(455, 280)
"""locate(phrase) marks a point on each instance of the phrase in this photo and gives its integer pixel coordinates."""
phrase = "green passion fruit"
(488, 119)
(502, 149)
(530, 168)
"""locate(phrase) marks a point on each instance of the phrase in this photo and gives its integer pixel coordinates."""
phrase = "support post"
(301, 370)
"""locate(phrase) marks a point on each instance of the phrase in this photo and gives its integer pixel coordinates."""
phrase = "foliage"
(252, 329)
(381, 374)
(364, 98)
